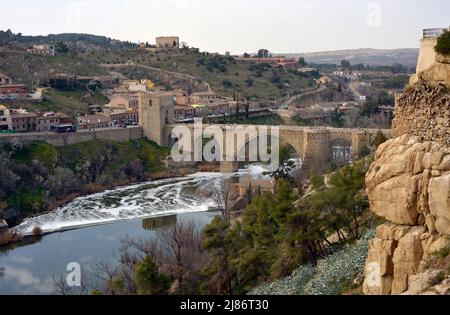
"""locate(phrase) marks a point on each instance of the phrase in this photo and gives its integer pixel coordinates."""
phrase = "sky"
(238, 26)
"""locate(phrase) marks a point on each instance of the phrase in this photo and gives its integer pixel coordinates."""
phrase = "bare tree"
(222, 196)
(61, 287)
(177, 252)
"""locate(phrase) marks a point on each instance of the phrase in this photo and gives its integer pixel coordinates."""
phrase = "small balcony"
(434, 32)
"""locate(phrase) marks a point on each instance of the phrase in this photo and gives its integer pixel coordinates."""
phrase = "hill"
(29, 69)
(372, 57)
(225, 75)
(85, 54)
(87, 40)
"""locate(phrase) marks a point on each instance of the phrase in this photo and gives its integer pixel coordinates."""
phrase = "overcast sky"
(236, 25)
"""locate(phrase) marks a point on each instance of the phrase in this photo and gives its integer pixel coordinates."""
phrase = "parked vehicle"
(64, 129)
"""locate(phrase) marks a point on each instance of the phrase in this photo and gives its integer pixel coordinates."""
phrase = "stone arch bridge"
(313, 145)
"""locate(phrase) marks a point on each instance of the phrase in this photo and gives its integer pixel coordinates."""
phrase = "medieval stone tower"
(156, 111)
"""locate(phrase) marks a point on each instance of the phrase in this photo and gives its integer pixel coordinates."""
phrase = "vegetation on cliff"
(443, 44)
(35, 177)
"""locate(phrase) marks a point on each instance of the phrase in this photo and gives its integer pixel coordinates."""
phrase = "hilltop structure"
(168, 42)
(432, 68)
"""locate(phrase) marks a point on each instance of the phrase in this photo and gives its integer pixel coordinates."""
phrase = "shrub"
(443, 44)
(149, 280)
(37, 231)
(443, 253)
(330, 275)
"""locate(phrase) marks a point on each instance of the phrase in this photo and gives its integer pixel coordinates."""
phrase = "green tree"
(345, 64)
(443, 44)
(218, 270)
(149, 280)
(302, 62)
(316, 180)
(61, 47)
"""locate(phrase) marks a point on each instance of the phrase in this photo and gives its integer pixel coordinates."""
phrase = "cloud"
(22, 276)
(21, 259)
(29, 283)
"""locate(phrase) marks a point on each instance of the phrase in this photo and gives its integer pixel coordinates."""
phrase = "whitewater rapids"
(148, 199)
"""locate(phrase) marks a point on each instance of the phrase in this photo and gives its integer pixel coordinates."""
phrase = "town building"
(124, 102)
(255, 186)
(43, 50)
(5, 80)
(168, 42)
(203, 96)
(45, 121)
(24, 121)
(279, 61)
(5, 118)
(121, 118)
(184, 112)
(181, 97)
(14, 89)
(96, 121)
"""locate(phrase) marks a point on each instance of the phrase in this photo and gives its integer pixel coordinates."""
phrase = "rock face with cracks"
(408, 184)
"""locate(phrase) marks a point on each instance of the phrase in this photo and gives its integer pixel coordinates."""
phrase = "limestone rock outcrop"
(408, 184)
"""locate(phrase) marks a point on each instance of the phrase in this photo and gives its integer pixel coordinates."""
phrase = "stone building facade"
(156, 111)
(168, 42)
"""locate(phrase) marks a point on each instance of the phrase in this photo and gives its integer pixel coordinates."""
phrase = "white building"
(5, 118)
(43, 50)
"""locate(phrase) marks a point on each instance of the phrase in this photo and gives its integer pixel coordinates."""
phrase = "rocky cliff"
(408, 184)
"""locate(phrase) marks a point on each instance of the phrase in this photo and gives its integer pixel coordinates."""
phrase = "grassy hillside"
(225, 75)
(27, 68)
(73, 103)
(37, 176)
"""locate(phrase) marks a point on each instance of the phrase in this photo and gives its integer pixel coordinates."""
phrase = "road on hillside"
(355, 92)
(289, 101)
(179, 74)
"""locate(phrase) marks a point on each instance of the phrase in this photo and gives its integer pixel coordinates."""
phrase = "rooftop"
(97, 118)
(23, 115)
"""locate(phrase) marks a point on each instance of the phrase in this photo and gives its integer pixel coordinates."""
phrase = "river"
(89, 229)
